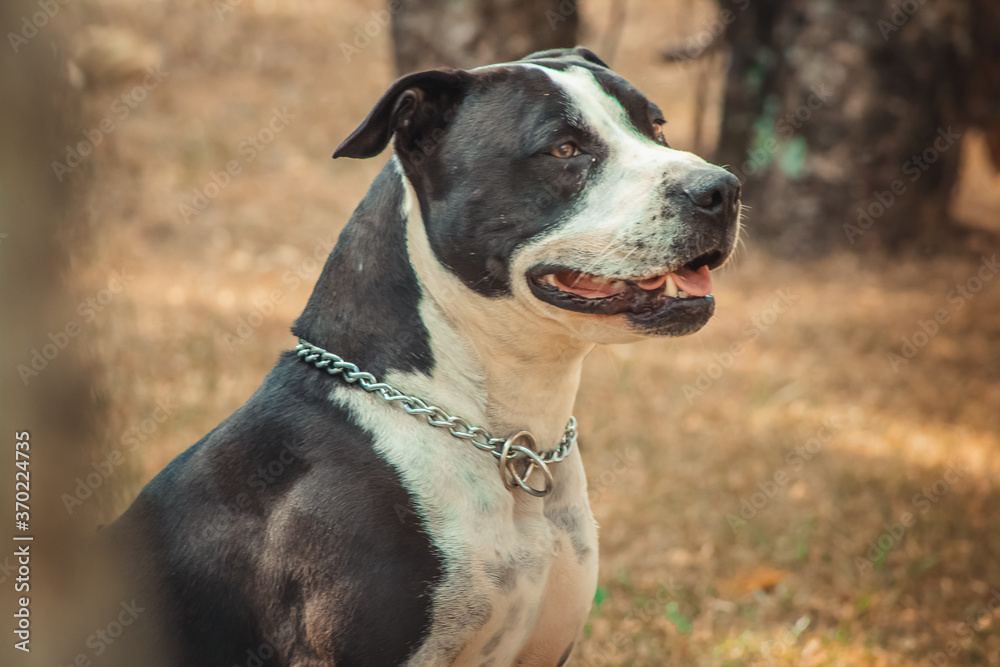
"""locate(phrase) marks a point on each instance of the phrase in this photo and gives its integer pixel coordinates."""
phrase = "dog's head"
(548, 181)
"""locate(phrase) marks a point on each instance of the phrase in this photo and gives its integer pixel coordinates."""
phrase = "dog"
(404, 487)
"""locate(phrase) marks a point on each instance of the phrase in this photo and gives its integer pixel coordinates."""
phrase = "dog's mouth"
(687, 285)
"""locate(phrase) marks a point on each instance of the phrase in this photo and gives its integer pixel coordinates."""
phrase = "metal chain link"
(503, 449)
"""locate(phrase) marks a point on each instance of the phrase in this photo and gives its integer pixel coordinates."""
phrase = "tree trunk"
(844, 119)
(469, 33)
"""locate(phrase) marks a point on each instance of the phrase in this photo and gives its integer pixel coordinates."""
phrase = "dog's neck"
(491, 357)
(385, 303)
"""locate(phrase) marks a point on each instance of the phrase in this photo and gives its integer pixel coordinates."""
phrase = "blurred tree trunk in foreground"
(844, 119)
(469, 33)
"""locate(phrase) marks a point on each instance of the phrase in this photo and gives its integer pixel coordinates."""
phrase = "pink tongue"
(695, 283)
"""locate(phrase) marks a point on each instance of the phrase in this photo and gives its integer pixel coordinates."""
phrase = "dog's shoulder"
(285, 505)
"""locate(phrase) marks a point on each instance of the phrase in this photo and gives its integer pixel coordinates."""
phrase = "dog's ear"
(578, 51)
(414, 106)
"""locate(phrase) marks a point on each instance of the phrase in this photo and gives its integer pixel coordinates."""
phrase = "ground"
(810, 480)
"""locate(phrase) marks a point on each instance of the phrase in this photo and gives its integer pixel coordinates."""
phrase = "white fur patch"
(626, 204)
(519, 572)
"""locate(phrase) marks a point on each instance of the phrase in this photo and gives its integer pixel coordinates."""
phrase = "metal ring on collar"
(508, 473)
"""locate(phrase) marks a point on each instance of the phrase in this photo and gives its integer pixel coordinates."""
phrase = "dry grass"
(678, 584)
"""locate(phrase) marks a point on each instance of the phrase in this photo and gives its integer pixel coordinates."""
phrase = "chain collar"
(506, 450)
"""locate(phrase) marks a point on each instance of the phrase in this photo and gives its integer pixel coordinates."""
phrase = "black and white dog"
(531, 210)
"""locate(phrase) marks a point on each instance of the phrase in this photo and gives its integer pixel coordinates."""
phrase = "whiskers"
(613, 246)
(742, 232)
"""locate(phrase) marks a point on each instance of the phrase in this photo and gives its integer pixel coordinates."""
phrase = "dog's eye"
(566, 150)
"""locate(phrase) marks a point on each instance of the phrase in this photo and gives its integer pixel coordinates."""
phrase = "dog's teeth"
(550, 279)
(681, 294)
(670, 287)
(616, 285)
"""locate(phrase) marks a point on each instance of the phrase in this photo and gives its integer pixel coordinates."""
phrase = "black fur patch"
(492, 185)
(281, 534)
(365, 304)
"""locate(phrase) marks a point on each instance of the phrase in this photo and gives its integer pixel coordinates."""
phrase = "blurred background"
(810, 480)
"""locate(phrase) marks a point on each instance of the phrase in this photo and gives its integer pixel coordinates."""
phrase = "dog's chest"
(532, 576)
(518, 573)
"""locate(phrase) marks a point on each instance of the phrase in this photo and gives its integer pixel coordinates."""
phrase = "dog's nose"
(713, 190)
